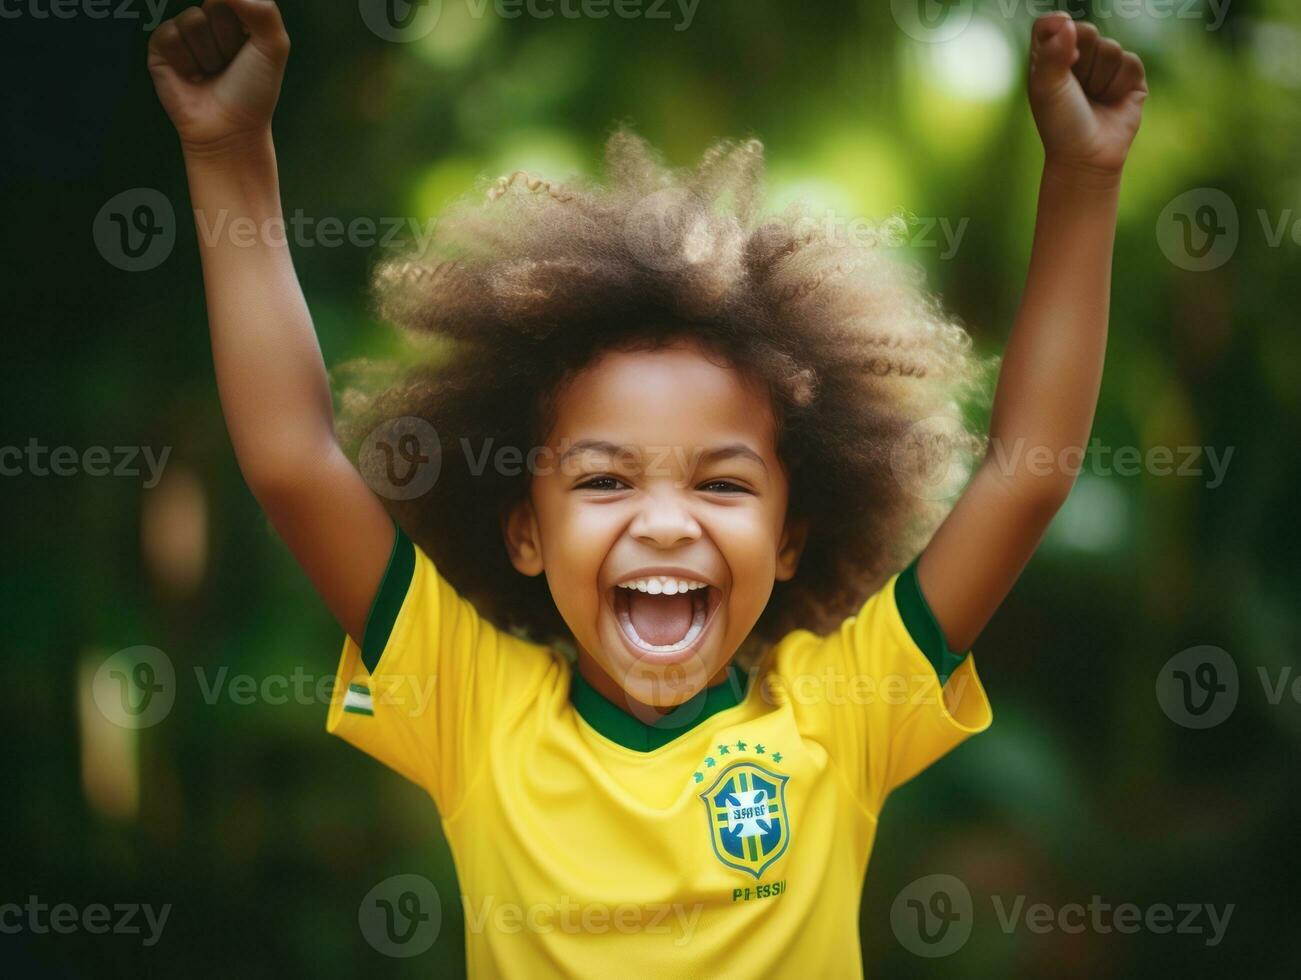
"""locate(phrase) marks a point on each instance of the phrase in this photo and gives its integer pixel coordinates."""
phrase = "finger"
(1052, 46)
(1088, 45)
(1105, 66)
(1046, 27)
(265, 28)
(166, 40)
(1131, 77)
(193, 25)
(226, 28)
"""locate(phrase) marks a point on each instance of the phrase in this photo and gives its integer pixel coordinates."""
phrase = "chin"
(657, 683)
(666, 686)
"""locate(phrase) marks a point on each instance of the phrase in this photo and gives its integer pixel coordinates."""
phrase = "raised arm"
(1086, 94)
(217, 69)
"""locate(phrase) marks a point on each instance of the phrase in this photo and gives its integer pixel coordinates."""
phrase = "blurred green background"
(264, 835)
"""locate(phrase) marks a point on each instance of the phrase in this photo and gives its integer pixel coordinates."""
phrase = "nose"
(664, 521)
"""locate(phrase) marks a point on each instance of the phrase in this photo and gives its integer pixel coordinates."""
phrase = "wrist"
(247, 149)
(1082, 176)
(233, 176)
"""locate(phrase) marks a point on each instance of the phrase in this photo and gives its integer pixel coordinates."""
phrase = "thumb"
(1053, 49)
(266, 30)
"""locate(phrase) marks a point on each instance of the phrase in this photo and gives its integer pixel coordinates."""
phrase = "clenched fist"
(1086, 93)
(217, 69)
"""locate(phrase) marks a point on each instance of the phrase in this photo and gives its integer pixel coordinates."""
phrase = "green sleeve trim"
(921, 624)
(388, 600)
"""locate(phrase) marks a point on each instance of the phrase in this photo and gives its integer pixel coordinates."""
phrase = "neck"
(606, 686)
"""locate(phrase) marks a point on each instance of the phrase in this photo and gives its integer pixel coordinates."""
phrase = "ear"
(794, 535)
(519, 527)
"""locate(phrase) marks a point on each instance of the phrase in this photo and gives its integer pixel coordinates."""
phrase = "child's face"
(665, 504)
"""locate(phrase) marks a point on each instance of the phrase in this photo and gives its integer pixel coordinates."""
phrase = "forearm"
(270, 375)
(1048, 388)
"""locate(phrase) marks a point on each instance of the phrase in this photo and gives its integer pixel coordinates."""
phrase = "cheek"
(749, 543)
(576, 541)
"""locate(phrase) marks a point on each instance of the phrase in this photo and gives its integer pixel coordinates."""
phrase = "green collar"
(631, 732)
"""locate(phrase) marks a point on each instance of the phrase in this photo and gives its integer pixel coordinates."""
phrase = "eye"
(727, 486)
(607, 483)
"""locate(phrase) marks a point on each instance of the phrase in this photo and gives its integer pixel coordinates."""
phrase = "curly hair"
(522, 290)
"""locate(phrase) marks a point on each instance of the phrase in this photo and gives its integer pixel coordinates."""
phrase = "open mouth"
(664, 624)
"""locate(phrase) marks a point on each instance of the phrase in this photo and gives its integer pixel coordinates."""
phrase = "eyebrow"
(730, 450)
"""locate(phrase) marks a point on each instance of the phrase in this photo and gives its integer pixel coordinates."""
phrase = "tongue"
(660, 619)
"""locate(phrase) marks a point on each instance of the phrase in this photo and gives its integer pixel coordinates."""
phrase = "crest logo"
(746, 806)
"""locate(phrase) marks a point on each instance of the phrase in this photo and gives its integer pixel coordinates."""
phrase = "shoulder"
(893, 627)
(419, 616)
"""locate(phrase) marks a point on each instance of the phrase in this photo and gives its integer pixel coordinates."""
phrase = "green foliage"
(265, 833)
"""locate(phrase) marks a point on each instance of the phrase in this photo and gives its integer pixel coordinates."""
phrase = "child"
(716, 422)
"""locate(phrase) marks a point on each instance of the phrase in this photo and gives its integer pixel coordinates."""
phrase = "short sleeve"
(420, 693)
(889, 698)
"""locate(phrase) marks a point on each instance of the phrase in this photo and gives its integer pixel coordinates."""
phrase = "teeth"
(665, 584)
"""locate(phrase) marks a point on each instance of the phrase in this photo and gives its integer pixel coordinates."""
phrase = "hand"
(217, 70)
(1086, 93)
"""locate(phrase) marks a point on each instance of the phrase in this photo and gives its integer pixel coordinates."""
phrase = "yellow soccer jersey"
(729, 840)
